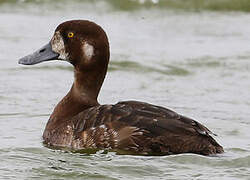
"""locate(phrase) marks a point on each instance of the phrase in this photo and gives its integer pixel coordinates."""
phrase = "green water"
(190, 56)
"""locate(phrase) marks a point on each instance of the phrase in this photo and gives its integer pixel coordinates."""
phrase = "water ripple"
(140, 68)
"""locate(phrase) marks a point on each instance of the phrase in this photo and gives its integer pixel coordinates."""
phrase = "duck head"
(82, 43)
(85, 45)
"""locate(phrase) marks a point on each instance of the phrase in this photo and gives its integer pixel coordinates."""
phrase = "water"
(185, 57)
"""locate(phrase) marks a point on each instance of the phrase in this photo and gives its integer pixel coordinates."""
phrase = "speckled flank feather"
(142, 128)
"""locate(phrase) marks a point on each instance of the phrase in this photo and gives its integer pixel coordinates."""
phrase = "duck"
(79, 122)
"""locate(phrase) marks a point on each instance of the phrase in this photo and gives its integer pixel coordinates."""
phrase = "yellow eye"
(70, 34)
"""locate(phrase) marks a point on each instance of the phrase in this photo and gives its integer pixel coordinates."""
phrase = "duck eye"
(70, 34)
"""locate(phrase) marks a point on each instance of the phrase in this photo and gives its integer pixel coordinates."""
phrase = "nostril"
(42, 50)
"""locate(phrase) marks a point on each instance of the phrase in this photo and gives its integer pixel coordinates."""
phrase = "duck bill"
(44, 54)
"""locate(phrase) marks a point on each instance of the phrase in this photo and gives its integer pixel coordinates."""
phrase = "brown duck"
(79, 122)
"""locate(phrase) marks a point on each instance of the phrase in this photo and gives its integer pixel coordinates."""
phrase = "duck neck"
(82, 95)
(87, 84)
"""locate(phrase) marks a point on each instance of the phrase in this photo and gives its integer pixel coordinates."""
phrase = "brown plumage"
(79, 122)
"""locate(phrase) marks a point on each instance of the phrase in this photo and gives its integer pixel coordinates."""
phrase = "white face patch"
(58, 46)
(88, 50)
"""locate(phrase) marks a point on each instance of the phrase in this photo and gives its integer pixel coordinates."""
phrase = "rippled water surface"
(190, 59)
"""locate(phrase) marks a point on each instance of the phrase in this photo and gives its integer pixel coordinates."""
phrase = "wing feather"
(143, 127)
